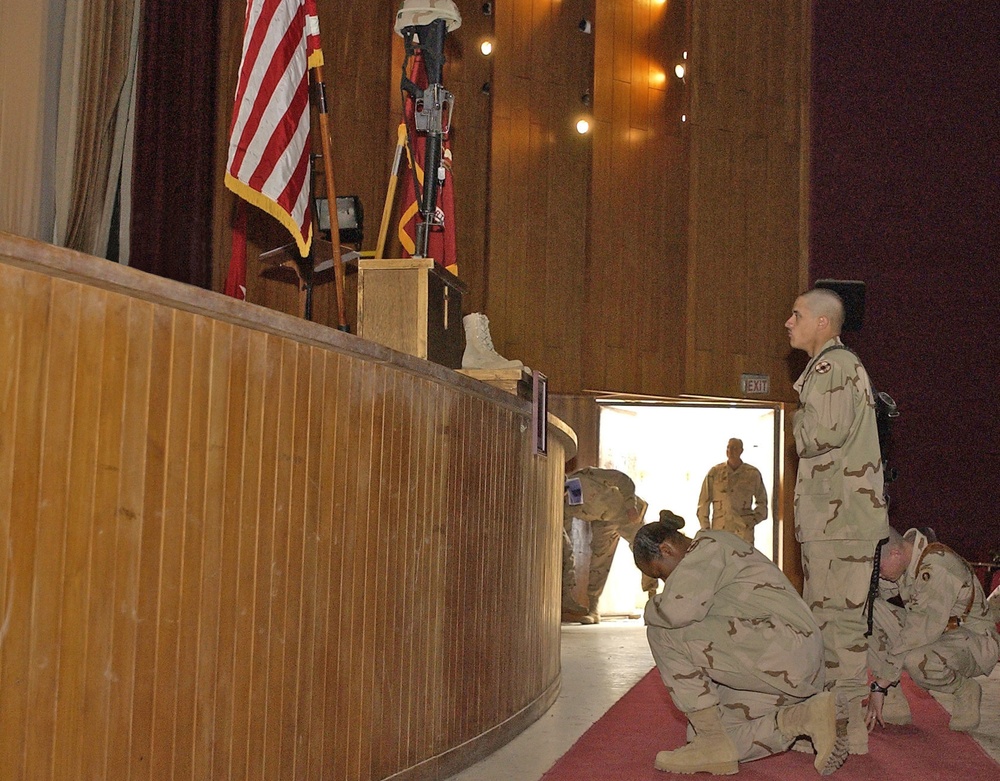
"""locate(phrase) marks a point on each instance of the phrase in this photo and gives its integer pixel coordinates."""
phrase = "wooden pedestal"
(414, 306)
(516, 381)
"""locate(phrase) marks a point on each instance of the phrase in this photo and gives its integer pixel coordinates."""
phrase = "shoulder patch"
(823, 367)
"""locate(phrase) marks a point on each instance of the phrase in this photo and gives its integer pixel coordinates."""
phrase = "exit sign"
(755, 384)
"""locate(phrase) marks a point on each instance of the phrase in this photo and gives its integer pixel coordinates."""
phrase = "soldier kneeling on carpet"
(931, 619)
(738, 650)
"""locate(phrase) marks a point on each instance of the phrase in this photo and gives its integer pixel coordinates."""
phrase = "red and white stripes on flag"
(269, 140)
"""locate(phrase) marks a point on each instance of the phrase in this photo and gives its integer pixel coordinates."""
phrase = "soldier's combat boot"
(592, 617)
(572, 611)
(857, 730)
(895, 708)
(817, 717)
(711, 750)
(965, 710)
(479, 352)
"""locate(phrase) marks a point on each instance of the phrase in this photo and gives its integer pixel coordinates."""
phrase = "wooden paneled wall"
(582, 414)
(749, 191)
(633, 294)
(540, 185)
(243, 546)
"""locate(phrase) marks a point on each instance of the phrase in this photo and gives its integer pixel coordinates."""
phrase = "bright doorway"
(667, 448)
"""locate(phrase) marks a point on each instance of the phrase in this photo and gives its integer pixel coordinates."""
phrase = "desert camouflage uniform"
(729, 629)
(737, 497)
(993, 600)
(945, 633)
(607, 497)
(840, 511)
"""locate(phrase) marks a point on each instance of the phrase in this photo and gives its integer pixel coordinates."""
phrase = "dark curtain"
(171, 233)
(905, 198)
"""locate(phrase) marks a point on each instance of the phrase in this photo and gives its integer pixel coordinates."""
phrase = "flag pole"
(390, 196)
(331, 196)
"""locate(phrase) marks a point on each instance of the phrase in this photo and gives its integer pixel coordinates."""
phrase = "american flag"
(269, 146)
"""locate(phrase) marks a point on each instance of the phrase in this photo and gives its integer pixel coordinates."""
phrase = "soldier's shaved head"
(895, 556)
(826, 303)
(817, 317)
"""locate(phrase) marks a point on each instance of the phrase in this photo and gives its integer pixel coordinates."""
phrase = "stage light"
(680, 69)
(350, 218)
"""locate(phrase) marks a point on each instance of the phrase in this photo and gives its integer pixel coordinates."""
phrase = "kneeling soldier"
(932, 620)
(738, 650)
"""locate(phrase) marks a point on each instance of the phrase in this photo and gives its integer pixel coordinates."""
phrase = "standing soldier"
(735, 492)
(840, 510)
(932, 620)
(739, 651)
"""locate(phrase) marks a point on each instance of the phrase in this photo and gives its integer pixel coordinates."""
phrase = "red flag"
(269, 140)
(236, 277)
(441, 241)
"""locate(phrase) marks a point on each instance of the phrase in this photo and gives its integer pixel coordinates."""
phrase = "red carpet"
(624, 742)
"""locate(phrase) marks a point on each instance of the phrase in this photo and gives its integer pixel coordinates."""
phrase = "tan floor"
(599, 665)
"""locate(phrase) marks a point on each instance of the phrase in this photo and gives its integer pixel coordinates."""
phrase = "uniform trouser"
(837, 575)
(750, 668)
(741, 527)
(568, 562)
(603, 543)
(938, 666)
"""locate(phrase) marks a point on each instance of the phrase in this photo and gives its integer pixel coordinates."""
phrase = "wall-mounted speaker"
(852, 293)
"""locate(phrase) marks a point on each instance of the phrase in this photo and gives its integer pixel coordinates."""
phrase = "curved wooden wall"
(242, 545)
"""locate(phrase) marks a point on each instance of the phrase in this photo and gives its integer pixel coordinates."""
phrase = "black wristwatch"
(880, 689)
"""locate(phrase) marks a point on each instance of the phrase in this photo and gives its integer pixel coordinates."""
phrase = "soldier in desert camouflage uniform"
(932, 620)
(738, 650)
(613, 511)
(734, 492)
(840, 510)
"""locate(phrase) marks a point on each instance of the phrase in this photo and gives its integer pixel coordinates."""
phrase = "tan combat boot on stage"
(711, 750)
(895, 708)
(965, 710)
(817, 717)
(479, 352)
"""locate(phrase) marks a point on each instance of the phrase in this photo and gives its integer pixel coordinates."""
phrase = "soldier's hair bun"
(671, 521)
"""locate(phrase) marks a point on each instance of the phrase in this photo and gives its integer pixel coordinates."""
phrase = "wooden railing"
(239, 545)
